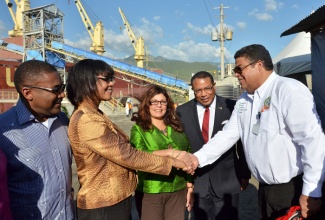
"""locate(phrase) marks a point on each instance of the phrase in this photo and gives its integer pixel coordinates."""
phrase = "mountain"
(175, 68)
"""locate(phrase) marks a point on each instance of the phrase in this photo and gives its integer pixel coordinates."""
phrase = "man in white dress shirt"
(281, 132)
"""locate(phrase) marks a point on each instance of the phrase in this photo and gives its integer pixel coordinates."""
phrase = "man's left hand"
(309, 206)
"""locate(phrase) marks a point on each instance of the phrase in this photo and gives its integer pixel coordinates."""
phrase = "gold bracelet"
(178, 154)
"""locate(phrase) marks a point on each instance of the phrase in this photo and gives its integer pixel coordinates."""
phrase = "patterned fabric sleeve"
(107, 142)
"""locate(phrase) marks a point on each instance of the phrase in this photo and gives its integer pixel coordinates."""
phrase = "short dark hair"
(29, 71)
(256, 52)
(81, 82)
(143, 117)
(201, 75)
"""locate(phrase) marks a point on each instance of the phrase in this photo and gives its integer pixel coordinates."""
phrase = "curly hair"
(143, 117)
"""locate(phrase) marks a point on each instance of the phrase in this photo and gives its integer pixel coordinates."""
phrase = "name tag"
(242, 106)
(256, 128)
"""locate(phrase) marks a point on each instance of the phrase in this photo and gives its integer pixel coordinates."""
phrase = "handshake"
(184, 160)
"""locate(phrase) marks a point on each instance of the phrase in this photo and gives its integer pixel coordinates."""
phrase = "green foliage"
(65, 111)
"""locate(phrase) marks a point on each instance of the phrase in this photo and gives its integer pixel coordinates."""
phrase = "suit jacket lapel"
(196, 125)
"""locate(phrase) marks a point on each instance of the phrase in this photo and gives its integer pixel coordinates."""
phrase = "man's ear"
(260, 65)
(27, 93)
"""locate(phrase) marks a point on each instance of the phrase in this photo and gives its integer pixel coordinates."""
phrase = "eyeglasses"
(107, 79)
(239, 70)
(57, 90)
(206, 89)
(155, 102)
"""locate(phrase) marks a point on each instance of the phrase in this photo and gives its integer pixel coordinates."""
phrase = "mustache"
(58, 101)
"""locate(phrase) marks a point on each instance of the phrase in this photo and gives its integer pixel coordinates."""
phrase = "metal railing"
(8, 96)
(113, 104)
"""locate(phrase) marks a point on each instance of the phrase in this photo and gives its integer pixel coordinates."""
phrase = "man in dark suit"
(217, 186)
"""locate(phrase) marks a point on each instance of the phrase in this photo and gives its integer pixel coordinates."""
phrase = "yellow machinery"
(96, 33)
(17, 17)
(138, 44)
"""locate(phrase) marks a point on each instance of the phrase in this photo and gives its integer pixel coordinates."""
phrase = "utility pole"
(221, 36)
(222, 46)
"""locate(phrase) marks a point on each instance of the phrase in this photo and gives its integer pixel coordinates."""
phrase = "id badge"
(256, 128)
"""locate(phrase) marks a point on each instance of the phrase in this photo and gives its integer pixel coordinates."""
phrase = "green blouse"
(153, 140)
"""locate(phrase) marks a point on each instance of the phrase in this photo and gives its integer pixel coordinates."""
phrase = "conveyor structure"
(17, 49)
(176, 85)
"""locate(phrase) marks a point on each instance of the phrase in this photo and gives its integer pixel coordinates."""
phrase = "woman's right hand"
(184, 156)
(181, 165)
(182, 159)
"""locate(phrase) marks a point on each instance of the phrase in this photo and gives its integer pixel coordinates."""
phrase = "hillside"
(176, 68)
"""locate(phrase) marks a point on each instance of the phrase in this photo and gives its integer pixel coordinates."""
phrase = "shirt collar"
(24, 115)
(212, 105)
(263, 88)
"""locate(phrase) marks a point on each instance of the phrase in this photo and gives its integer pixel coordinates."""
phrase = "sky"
(179, 29)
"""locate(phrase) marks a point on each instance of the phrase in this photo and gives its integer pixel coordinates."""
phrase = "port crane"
(96, 33)
(17, 17)
(138, 44)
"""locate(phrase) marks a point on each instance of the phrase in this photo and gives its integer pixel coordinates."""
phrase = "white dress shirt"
(282, 135)
(200, 111)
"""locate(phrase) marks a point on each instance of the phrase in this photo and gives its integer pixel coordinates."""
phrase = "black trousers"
(119, 211)
(275, 200)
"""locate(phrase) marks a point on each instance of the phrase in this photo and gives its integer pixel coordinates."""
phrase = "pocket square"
(224, 122)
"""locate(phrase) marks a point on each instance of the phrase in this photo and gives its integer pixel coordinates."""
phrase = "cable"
(209, 13)
(92, 15)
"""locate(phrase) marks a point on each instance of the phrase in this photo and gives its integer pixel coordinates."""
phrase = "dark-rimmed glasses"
(156, 102)
(107, 79)
(206, 89)
(239, 70)
(57, 90)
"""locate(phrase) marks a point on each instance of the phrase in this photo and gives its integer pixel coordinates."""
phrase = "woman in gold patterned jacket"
(106, 162)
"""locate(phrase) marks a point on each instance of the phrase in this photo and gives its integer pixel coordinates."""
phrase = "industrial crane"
(96, 33)
(17, 17)
(138, 44)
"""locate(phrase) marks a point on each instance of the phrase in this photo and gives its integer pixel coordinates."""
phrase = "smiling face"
(104, 88)
(250, 76)
(204, 90)
(158, 110)
(42, 103)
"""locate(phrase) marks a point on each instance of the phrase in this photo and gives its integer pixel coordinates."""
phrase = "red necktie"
(205, 124)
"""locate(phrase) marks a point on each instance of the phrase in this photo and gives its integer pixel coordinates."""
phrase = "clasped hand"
(190, 161)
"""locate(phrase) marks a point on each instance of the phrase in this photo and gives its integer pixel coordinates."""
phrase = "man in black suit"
(218, 185)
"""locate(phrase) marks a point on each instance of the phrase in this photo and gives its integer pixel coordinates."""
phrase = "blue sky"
(179, 29)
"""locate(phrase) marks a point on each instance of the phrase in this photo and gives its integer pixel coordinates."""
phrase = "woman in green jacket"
(159, 130)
